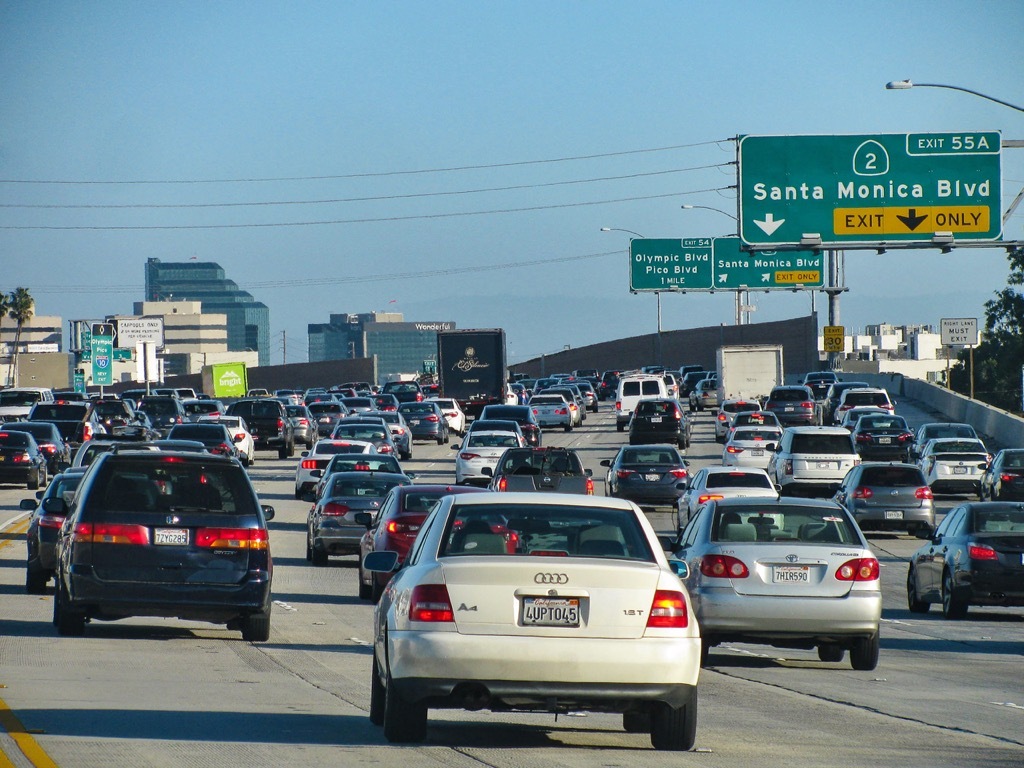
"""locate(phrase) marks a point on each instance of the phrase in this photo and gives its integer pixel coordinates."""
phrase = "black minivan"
(174, 535)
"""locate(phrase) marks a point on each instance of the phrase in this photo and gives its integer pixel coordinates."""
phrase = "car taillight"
(51, 521)
(668, 610)
(432, 418)
(905, 437)
(787, 467)
(233, 538)
(733, 449)
(1006, 477)
(722, 417)
(709, 497)
(240, 436)
(223, 449)
(304, 422)
(465, 456)
(393, 527)
(806, 404)
(280, 423)
(309, 464)
(48, 447)
(723, 567)
(87, 431)
(334, 509)
(622, 474)
(981, 552)
(111, 533)
(618, 405)
(862, 493)
(430, 602)
(178, 420)
(21, 458)
(590, 487)
(863, 438)
(419, 397)
(861, 569)
(924, 493)
(502, 484)
(678, 473)
(453, 414)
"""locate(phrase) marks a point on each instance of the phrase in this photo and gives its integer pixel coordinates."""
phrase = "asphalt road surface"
(155, 692)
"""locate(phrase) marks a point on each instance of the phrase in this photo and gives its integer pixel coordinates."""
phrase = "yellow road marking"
(28, 746)
(16, 529)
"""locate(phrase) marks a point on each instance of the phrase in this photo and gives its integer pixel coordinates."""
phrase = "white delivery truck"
(749, 371)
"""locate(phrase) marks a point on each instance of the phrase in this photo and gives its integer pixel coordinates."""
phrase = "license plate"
(757, 452)
(652, 478)
(325, 419)
(791, 574)
(176, 537)
(551, 612)
(885, 440)
(893, 514)
(655, 419)
(959, 470)
(789, 408)
(824, 465)
(414, 422)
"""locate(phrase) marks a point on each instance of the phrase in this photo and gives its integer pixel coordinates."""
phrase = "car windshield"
(168, 484)
(998, 521)
(766, 524)
(548, 530)
(651, 456)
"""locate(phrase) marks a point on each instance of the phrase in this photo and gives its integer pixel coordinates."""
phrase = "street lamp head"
(606, 229)
(899, 85)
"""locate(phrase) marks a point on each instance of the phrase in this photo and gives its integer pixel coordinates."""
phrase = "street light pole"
(905, 85)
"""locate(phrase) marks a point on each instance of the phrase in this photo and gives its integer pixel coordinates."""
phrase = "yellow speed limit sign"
(835, 338)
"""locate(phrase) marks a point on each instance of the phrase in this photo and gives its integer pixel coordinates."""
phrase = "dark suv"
(174, 535)
(405, 391)
(659, 421)
(164, 412)
(268, 423)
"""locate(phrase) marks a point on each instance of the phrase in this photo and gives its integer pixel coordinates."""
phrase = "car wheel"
(298, 494)
(620, 427)
(915, 604)
(831, 652)
(69, 623)
(636, 722)
(376, 590)
(318, 556)
(568, 428)
(33, 482)
(309, 550)
(245, 461)
(365, 590)
(256, 627)
(674, 729)
(36, 578)
(282, 452)
(864, 653)
(953, 607)
(404, 721)
(407, 456)
(441, 439)
(376, 695)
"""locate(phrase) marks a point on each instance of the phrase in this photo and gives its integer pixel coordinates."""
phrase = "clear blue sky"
(337, 101)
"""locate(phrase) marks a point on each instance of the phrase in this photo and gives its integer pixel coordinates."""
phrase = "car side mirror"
(62, 465)
(410, 475)
(316, 473)
(668, 543)
(984, 466)
(924, 532)
(679, 568)
(486, 471)
(28, 504)
(682, 486)
(309, 496)
(364, 518)
(686, 462)
(606, 462)
(588, 472)
(268, 511)
(778, 487)
(455, 447)
(381, 561)
(770, 447)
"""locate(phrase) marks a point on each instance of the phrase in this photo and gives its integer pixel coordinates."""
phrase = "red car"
(395, 525)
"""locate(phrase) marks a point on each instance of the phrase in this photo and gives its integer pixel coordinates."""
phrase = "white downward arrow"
(769, 225)
(722, 277)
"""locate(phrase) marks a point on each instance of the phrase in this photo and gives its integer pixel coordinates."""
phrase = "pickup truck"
(547, 469)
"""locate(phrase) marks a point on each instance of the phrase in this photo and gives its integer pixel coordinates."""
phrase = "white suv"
(633, 389)
(812, 460)
(862, 396)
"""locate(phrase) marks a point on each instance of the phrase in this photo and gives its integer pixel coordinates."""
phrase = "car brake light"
(1006, 477)
(468, 456)
(678, 473)
(622, 474)
(240, 436)
(668, 610)
(430, 602)
(981, 552)
(721, 417)
(87, 431)
(863, 438)
(723, 567)
(111, 533)
(733, 449)
(924, 493)
(806, 404)
(863, 493)
(502, 484)
(334, 509)
(709, 497)
(787, 467)
(432, 418)
(51, 521)
(618, 405)
(309, 464)
(280, 423)
(860, 569)
(232, 538)
(22, 458)
(393, 527)
(561, 411)
(905, 437)
(590, 487)
(384, 448)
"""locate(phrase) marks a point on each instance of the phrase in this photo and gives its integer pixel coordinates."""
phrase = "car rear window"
(951, 430)
(364, 463)
(366, 432)
(47, 412)
(651, 387)
(547, 400)
(417, 408)
(813, 443)
(320, 408)
(998, 521)
(656, 408)
(882, 422)
(866, 398)
(756, 433)
(783, 523)
(650, 456)
(361, 488)
(421, 501)
(892, 477)
(541, 462)
(551, 530)
(958, 446)
(738, 480)
(740, 407)
(14, 439)
(630, 388)
(8, 399)
(485, 440)
(168, 484)
(1013, 460)
(789, 395)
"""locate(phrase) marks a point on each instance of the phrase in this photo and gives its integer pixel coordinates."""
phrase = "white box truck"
(749, 372)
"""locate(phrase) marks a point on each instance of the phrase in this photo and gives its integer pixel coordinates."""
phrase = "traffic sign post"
(869, 190)
(958, 331)
(102, 354)
(834, 338)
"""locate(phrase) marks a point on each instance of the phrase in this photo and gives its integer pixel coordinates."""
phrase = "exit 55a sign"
(869, 189)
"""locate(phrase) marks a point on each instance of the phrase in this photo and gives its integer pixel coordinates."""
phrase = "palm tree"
(5, 306)
(21, 308)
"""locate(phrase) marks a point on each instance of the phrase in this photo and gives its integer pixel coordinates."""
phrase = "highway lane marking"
(29, 747)
(17, 525)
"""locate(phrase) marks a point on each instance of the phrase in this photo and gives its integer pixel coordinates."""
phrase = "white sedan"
(453, 414)
(715, 483)
(536, 603)
(750, 446)
(479, 449)
(319, 457)
(239, 433)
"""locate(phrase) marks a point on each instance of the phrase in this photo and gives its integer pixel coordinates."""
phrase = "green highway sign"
(737, 269)
(658, 264)
(719, 263)
(869, 189)
(102, 354)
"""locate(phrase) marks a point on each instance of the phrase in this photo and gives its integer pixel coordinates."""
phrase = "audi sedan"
(975, 557)
(790, 573)
(504, 595)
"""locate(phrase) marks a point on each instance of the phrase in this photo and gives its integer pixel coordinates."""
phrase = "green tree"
(998, 359)
(5, 306)
(21, 308)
